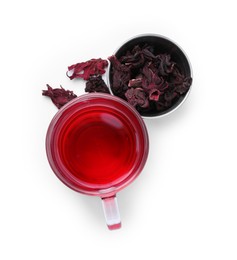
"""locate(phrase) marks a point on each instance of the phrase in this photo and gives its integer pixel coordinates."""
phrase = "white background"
(183, 206)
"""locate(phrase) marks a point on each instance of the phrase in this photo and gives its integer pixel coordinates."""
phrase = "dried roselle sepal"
(120, 79)
(131, 97)
(169, 96)
(166, 66)
(96, 84)
(148, 75)
(148, 54)
(136, 97)
(184, 86)
(131, 57)
(154, 94)
(151, 79)
(135, 83)
(121, 76)
(180, 83)
(86, 69)
(59, 96)
(118, 65)
(135, 59)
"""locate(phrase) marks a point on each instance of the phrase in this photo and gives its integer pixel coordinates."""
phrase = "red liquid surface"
(99, 146)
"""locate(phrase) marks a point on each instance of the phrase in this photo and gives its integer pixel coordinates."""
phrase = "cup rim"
(165, 38)
(64, 174)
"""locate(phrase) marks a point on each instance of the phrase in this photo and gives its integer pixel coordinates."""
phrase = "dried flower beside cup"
(149, 72)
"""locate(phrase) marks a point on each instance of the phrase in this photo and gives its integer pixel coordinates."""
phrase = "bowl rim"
(165, 38)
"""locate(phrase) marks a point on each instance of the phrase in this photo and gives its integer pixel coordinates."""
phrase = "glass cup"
(97, 144)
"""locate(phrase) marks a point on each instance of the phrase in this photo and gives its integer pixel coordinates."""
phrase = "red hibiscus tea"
(97, 144)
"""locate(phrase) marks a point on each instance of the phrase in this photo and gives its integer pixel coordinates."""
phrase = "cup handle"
(111, 212)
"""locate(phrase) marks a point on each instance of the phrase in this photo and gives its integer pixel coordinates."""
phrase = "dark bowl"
(160, 44)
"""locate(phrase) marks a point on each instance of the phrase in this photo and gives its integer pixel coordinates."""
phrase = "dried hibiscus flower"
(87, 69)
(96, 84)
(137, 96)
(154, 94)
(59, 96)
(148, 79)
